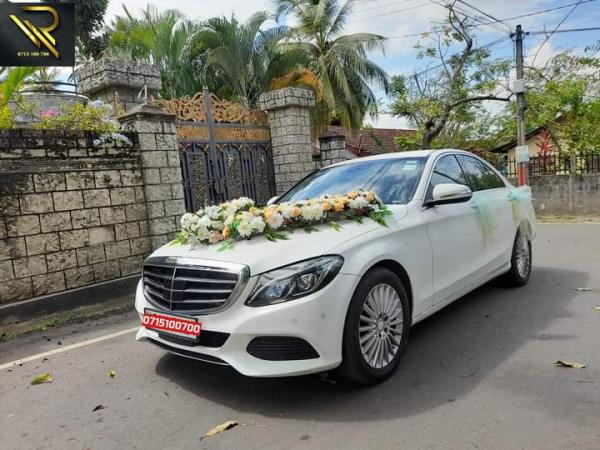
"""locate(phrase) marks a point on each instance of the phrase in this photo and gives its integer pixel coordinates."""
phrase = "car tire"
(520, 261)
(379, 293)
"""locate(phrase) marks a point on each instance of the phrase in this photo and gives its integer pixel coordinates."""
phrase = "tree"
(339, 60)
(241, 60)
(444, 99)
(563, 96)
(89, 22)
(165, 38)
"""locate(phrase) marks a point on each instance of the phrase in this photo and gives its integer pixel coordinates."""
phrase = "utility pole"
(522, 153)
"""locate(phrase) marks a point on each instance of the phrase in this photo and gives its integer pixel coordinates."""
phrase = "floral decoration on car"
(241, 219)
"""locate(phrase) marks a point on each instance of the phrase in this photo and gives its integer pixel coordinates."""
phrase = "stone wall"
(332, 149)
(70, 212)
(289, 120)
(566, 194)
(118, 80)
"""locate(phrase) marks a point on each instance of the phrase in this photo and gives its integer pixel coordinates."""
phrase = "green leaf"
(226, 245)
(333, 224)
(43, 378)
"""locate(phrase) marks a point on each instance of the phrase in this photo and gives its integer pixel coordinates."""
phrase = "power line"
(554, 31)
(385, 5)
(388, 13)
(571, 30)
(465, 14)
(488, 45)
(544, 11)
(485, 14)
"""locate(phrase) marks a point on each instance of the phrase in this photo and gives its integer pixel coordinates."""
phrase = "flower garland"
(240, 219)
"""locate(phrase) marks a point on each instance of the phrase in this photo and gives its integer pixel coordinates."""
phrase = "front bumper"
(317, 319)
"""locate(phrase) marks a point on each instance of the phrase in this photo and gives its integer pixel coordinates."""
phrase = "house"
(538, 140)
(369, 141)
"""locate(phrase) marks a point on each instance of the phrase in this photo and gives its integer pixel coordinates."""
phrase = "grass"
(590, 218)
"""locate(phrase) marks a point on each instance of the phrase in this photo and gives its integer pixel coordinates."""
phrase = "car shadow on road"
(447, 357)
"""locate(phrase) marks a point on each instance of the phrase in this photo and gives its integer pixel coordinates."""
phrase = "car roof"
(400, 155)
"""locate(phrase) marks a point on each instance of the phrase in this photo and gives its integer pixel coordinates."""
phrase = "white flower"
(202, 233)
(275, 221)
(205, 221)
(244, 228)
(257, 224)
(246, 216)
(96, 103)
(229, 220)
(311, 212)
(286, 210)
(200, 212)
(97, 142)
(358, 203)
(213, 212)
(217, 225)
(188, 219)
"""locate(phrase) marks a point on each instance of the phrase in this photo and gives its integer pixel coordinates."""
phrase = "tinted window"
(393, 180)
(480, 176)
(447, 170)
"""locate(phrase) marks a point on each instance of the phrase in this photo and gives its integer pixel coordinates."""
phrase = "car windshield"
(394, 180)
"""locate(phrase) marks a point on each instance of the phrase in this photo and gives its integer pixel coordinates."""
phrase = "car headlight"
(295, 281)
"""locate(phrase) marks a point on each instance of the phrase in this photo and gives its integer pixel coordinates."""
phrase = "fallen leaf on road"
(570, 364)
(596, 308)
(99, 407)
(111, 373)
(582, 289)
(220, 428)
(43, 378)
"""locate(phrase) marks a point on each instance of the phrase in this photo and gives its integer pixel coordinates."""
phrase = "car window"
(480, 176)
(446, 170)
(393, 180)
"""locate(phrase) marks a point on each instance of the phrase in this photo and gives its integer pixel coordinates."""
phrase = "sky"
(394, 18)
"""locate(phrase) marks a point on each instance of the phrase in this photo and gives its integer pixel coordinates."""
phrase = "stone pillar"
(118, 81)
(333, 149)
(288, 110)
(161, 170)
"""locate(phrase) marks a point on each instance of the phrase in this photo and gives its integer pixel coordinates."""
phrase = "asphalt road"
(479, 374)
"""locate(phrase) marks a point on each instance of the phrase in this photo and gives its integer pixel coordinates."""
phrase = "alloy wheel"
(380, 326)
(523, 256)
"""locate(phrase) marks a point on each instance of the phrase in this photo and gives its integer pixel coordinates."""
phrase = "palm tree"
(340, 60)
(242, 59)
(165, 38)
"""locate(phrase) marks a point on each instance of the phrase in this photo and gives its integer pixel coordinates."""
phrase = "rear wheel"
(520, 261)
(376, 329)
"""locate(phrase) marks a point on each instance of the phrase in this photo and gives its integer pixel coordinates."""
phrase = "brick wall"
(71, 214)
(566, 194)
(333, 150)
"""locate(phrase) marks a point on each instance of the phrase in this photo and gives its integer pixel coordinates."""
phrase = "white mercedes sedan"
(343, 299)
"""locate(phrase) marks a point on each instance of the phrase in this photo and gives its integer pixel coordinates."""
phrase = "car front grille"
(190, 286)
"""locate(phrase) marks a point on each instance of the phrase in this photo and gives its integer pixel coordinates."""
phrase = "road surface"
(479, 374)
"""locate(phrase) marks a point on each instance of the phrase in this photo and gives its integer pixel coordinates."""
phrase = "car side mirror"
(272, 200)
(446, 193)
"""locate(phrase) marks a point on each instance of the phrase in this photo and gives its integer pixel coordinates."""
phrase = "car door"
(491, 202)
(456, 236)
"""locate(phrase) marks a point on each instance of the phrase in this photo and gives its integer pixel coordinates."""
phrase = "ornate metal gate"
(225, 150)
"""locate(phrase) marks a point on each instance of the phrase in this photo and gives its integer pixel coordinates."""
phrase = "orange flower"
(326, 206)
(370, 197)
(296, 212)
(268, 213)
(226, 232)
(353, 195)
(339, 206)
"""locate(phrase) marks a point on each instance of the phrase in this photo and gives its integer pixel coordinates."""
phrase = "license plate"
(172, 324)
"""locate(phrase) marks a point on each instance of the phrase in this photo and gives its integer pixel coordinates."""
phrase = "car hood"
(261, 255)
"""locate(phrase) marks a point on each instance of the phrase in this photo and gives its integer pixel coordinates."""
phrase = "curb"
(67, 300)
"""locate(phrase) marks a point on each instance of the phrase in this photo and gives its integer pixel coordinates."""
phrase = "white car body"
(439, 252)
